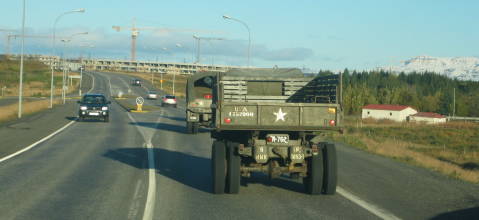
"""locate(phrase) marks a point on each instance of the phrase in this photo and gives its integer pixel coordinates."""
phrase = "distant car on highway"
(152, 95)
(168, 100)
(136, 82)
(94, 106)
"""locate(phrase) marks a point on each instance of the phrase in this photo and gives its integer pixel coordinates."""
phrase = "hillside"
(462, 68)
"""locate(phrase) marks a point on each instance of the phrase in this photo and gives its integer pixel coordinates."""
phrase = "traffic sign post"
(139, 104)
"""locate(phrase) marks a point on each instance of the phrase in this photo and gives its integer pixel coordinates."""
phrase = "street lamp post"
(178, 45)
(64, 63)
(198, 39)
(249, 34)
(199, 44)
(20, 88)
(65, 41)
(161, 74)
(81, 10)
(174, 72)
(82, 67)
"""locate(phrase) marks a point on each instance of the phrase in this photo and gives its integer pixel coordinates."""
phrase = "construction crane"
(198, 40)
(135, 31)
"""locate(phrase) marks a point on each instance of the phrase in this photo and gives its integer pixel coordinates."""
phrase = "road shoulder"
(20, 133)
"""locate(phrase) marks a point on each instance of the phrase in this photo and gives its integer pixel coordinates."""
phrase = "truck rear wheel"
(233, 175)
(314, 181)
(218, 162)
(330, 169)
(195, 128)
(189, 127)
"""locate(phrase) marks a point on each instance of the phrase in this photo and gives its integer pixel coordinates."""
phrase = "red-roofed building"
(392, 112)
(428, 117)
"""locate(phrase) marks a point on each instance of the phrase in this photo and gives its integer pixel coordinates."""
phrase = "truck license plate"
(277, 139)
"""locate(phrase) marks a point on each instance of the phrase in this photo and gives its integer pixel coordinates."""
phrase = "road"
(142, 165)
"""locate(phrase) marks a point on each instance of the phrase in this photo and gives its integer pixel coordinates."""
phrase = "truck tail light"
(269, 139)
(227, 120)
(332, 122)
(208, 96)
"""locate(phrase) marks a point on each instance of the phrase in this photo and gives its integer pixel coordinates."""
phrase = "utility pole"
(454, 103)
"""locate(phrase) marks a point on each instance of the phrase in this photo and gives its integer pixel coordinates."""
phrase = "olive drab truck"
(198, 98)
(271, 121)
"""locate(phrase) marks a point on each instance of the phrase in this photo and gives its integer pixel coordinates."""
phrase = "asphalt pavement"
(97, 170)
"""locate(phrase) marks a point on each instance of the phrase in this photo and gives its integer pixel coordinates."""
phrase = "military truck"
(198, 98)
(272, 121)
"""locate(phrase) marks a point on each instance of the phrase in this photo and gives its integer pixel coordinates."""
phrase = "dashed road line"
(151, 195)
(379, 212)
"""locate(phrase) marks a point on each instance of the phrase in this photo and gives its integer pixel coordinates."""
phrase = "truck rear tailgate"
(277, 116)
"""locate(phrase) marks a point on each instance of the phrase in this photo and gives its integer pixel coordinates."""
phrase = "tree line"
(426, 92)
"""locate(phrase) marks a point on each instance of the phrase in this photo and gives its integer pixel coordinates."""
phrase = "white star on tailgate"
(280, 115)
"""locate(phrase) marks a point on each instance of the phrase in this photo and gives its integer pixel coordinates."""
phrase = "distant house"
(428, 117)
(397, 113)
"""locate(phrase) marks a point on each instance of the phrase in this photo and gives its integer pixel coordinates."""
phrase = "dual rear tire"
(192, 127)
(322, 172)
(225, 167)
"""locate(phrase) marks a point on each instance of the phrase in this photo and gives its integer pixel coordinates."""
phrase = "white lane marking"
(36, 143)
(150, 199)
(109, 83)
(49, 136)
(92, 83)
(122, 80)
(379, 212)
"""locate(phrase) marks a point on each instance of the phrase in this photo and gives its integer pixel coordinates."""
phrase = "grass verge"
(9, 112)
(37, 78)
(451, 148)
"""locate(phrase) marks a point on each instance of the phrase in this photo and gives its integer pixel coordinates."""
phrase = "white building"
(397, 113)
(428, 117)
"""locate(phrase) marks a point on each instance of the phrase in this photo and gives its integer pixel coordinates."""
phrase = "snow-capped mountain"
(462, 68)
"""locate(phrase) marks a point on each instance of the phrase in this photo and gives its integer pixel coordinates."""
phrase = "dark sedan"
(94, 106)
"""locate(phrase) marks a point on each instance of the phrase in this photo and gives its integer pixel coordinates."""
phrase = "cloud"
(285, 54)
(331, 59)
(112, 44)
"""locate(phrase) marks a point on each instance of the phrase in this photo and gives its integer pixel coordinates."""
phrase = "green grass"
(34, 71)
(36, 78)
(455, 136)
(450, 148)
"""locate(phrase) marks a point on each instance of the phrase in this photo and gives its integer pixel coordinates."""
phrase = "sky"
(316, 34)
